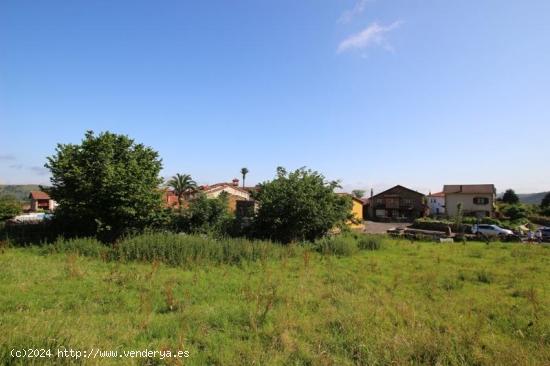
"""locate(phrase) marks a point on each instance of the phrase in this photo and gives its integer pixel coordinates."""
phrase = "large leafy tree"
(244, 172)
(510, 197)
(300, 205)
(105, 185)
(182, 184)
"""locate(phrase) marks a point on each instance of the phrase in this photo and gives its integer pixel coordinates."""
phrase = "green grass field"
(407, 303)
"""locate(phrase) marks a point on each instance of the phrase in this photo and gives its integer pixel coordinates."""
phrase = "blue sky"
(375, 92)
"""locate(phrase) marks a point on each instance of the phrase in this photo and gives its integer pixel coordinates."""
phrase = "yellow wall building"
(357, 211)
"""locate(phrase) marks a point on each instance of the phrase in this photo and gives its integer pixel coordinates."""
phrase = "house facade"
(436, 203)
(397, 204)
(41, 201)
(476, 199)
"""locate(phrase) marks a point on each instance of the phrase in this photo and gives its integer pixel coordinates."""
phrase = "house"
(233, 191)
(396, 204)
(436, 203)
(170, 199)
(41, 201)
(356, 211)
(476, 199)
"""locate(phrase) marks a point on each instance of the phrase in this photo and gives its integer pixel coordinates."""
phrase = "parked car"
(545, 231)
(491, 230)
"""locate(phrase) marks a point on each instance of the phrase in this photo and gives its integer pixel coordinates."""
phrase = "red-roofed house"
(41, 201)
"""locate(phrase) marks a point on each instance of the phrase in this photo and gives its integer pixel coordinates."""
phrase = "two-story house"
(397, 203)
(476, 199)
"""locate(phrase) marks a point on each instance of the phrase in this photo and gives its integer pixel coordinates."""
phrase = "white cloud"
(357, 9)
(373, 35)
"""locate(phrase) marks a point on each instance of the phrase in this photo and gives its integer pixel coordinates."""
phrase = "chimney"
(235, 182)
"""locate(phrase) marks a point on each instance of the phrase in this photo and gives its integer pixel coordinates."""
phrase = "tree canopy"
(300, 205)
(181, 184)
(105, 185)
(510, 197)
(358, 193)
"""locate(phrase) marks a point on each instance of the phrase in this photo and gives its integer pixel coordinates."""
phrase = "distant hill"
(19, 191)
(533, 198)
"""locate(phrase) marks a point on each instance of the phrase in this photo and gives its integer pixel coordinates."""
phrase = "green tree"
(182, 184)
(9, 207)
(106, 185)
(510, 197)
(244, 172)
(299, 205)
(545, 201)
(358, 193)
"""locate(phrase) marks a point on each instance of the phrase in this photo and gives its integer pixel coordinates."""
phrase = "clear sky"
(375, 93)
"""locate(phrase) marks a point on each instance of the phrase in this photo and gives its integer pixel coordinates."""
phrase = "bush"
(515, 212)
(341, 245)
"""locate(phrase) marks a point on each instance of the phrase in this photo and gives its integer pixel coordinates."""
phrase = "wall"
(468, 206)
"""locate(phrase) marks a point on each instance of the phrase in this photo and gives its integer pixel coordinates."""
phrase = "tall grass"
(184, 249)
(181, 249)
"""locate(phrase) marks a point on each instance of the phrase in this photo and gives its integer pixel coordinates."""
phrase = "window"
(379, 201)
(481, 200)
(407, 202)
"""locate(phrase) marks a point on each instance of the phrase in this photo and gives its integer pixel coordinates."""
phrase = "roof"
(438, 194)
(39, 195)
(398, 186)
(469, 188)
(218, 186)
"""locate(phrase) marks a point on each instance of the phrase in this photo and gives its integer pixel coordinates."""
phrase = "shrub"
(341, 245)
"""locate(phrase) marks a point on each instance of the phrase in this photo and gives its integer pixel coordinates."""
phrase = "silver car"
(490, 230)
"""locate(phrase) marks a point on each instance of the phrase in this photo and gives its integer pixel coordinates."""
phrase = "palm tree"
(244, 172)
(182, 184)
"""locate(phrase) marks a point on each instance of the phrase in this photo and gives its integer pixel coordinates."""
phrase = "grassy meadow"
(404, 303)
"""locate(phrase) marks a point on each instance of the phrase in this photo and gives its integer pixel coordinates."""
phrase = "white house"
(436, 203)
